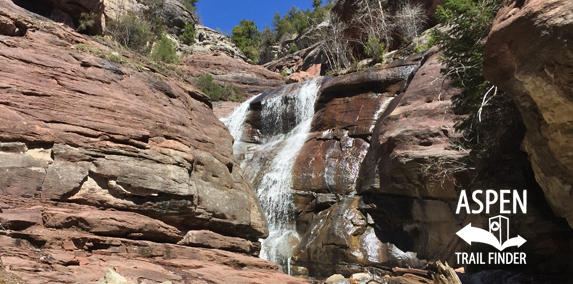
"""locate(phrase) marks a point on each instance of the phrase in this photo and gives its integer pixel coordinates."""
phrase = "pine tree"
(467, 24)
(247, 37)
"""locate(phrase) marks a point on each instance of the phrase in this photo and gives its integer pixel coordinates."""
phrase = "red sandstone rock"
(112, 223)
(20, 219)
(347, 109)
(528, 55)
(46, 255)
(417, 132)
(311, 73)
(93, 131)
(208, 239)
(411, 155)
(252, 79)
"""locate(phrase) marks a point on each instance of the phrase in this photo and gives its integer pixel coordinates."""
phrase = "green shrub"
(284, 74)
(227, 92)
(292, 49)
(423, 47)
(165, 50)
(86, 21)
(132, 32)
(188, 36)
(375, 49)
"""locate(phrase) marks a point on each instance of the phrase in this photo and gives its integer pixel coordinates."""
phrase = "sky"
(225, 14)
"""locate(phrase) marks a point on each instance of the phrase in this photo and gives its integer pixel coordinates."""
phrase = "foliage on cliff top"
(486, 109)
(188, 35)
(297, 21)
(247, 38)
(219, 93)
(190, 4)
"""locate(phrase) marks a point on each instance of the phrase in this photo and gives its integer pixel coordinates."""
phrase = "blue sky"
(225, 14)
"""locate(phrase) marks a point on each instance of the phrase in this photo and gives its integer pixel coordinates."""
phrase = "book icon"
(499, 227)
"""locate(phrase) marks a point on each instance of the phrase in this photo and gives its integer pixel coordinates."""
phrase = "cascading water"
(286, 118)
(235, 122)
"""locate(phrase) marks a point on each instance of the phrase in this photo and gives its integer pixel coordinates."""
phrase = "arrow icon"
(471, 234)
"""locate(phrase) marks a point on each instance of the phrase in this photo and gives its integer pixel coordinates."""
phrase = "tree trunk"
(445, 275)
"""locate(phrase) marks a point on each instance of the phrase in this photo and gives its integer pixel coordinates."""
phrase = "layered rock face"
(67, 13)
(252, 79)
(367, 195)
(60, 242)
(209, 41)
(215, 54)
(159, 153)
(103, 165)
(528, 56)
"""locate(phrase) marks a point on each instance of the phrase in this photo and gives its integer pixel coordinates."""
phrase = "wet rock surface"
(388, 126)
(341, 158)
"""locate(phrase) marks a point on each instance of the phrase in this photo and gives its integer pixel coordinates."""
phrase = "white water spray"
(236, 121)
(289, 107)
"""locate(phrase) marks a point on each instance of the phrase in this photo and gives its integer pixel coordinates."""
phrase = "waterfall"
(286, 116)
(236, 121)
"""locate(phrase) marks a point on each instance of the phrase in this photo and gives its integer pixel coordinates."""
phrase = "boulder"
(311, 73)
(528, 56)
(208, 239)
(412, 152)
(112, 277)
(112, 223)
(335, 278)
